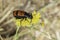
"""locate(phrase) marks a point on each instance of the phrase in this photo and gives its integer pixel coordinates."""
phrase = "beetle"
(18, 14)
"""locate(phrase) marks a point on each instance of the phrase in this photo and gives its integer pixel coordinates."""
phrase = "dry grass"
(50, 12)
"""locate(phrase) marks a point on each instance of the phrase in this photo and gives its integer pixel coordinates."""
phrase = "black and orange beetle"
(18, 14)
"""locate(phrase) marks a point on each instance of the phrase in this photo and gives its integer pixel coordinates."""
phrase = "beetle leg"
(26, 19)
(21, 21)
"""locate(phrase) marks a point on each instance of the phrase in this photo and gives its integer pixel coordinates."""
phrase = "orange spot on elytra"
(20, 13)
(14, 13)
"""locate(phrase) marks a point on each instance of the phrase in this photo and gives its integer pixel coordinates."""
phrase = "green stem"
(16, 35)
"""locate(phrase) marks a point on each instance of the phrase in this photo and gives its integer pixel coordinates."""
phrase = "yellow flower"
(34, 13)
(18, 22)
(25, 22)
(29, 22)
(36, 17)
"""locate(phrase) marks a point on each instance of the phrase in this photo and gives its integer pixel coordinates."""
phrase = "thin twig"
(9, 21)
(1, 37)
(4, 17)
(58, 35)
(8, 8)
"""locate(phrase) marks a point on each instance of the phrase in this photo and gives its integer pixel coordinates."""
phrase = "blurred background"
(50, 14)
